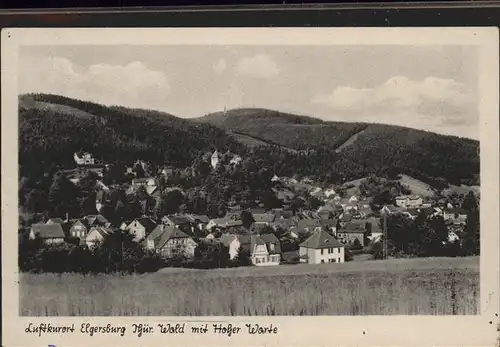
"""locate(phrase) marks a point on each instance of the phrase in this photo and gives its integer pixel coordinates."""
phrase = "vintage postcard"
(256, 186)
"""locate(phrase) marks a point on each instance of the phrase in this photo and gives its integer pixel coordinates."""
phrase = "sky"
(432, 88)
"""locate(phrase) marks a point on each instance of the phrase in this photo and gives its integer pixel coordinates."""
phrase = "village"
(340, 227)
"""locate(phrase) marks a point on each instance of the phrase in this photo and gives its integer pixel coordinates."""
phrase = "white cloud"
(220, 66)
(440, 105)
(133, 84)
(399, 93)
(258, 66)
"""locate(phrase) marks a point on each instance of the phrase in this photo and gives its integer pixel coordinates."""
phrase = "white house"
(48, 233)
(96, 235)
(413, 201)
(320, 248)
(265, 250)
(83, 158)
(231, 241)
(215, 160)
(141, 227)
(168, 240)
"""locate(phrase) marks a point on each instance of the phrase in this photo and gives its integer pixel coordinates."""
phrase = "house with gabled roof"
(409, 201)
(265, 250)
(200, 221)
(48, 233)
(181, 221)
(321, 247)
(167, 240)
(141, 227)
(79, 228)
(96, 235)
(263, 218)
(352, 231)
(97, 220)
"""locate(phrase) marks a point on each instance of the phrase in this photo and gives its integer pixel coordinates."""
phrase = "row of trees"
(424, 237)
(118, 253)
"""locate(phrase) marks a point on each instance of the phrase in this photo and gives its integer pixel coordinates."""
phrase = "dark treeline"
(429, 237)
(118, 253)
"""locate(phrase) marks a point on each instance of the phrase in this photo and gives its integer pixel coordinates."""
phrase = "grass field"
(434, 286)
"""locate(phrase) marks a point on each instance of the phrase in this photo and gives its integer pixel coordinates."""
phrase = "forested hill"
(361, 147)
(52, 128)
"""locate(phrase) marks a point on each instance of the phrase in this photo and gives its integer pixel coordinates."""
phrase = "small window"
(322, 251)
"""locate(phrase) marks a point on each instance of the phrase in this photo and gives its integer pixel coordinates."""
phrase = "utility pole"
(384, 237)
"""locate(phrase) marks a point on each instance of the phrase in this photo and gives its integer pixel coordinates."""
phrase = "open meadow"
(431, 286)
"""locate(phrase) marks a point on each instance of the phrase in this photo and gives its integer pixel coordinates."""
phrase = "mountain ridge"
(290, 144)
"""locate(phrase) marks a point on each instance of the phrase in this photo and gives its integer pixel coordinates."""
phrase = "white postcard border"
(478, 330)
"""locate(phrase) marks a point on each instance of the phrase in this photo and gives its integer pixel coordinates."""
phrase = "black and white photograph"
(251, 179)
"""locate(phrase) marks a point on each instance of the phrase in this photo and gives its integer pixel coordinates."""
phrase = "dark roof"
(96, 219)
(100, 196)
(326, 209)
(226, 239)
(321, 239)
(257, 210)
(346, 217)
(258, 226)
(248, 242)
(178, 219)
(55, 221)
(234, 215)
(271, 239)
(308, 223)
(285, 223)
(427, 210)
(48, 231)
(147, 223)
(102, 230)
(160, 229)
(353, 227)
(82, 221)
(202, 218)
(263, 217)
(226, 223)
(169, 232)
(328, 222)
